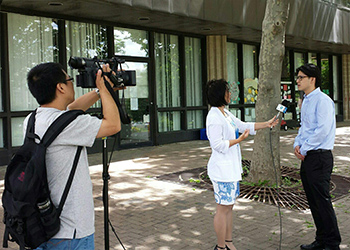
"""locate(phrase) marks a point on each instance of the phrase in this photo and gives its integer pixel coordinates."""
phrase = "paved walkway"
(148, 213)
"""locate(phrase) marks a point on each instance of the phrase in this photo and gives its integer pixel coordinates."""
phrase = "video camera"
(88, 67)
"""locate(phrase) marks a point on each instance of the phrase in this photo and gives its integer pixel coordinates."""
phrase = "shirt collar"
(313, 93)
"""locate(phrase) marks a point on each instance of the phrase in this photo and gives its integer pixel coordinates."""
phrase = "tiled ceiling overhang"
(315, 25)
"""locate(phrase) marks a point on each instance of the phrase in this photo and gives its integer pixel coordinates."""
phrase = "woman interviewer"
(224, 166)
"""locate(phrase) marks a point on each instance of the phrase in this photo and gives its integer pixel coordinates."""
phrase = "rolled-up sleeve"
(215, 136)
(242, 126)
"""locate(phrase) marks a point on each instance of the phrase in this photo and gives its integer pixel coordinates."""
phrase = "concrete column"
(346, 86)
(216, 57)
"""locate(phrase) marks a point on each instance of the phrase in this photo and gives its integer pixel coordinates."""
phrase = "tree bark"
(269, 92)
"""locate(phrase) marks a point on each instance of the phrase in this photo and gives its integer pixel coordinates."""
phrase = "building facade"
(175, 47)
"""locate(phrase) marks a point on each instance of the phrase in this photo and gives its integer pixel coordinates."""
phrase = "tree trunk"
(269, 95)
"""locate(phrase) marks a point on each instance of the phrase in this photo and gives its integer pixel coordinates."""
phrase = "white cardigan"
(225, 163)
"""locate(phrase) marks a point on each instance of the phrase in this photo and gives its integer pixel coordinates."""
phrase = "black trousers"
(315, 174)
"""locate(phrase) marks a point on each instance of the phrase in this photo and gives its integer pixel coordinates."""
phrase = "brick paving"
(149, 213)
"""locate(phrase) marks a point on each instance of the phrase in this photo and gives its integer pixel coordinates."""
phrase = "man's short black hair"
(311, 70)
(216, 91)
(42, 81)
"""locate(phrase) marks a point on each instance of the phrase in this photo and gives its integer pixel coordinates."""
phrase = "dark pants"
(315, 174)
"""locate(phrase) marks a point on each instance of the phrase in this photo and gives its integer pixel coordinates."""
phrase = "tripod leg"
(105, 177)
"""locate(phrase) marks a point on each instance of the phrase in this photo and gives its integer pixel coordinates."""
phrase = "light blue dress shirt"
(318, 124)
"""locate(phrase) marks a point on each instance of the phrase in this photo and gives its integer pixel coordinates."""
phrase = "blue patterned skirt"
(225, 193)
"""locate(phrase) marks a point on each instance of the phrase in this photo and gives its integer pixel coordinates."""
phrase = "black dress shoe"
(332, 248)
(316, 245)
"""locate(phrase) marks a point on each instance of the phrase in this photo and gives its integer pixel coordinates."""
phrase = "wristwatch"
(97, 91)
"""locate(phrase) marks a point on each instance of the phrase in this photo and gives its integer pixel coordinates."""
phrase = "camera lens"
(76, 62)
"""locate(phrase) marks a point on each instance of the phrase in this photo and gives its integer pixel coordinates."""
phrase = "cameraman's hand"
(107, 69)
(100, 84)
(111, 121)
(118, 88)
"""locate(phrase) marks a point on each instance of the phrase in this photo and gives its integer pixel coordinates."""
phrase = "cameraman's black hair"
(216, 91)
(311, 70)
(42, 81)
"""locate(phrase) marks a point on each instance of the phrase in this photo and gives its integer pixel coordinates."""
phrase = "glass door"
(137, 106)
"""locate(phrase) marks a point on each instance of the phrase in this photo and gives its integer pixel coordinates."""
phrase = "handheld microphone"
(281, 108)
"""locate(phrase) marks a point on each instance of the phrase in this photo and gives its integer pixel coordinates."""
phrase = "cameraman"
(53, 90)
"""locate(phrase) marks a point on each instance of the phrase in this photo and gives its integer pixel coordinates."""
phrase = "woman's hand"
(272, 122)
(244, 135)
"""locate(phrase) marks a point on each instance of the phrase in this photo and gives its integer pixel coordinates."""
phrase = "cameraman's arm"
(111, 119)
(85, 101)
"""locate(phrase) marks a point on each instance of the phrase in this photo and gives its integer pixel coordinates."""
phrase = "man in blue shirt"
(313, 146)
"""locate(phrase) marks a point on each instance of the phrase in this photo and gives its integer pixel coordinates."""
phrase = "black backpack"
(30, 217)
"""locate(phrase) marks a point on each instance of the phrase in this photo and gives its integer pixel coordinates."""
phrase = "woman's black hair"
(42, 81)
(216, 92)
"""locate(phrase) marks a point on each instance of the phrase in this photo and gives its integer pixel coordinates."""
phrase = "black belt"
(317, 151)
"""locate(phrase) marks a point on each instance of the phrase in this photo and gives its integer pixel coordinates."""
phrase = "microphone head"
(285, 103)
(281, 108)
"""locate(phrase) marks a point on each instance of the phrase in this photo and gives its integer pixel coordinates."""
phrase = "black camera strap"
(124, 117)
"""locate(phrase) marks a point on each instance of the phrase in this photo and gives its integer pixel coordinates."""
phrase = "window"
(31, 41)
(286, 84)
(335, 78)
(17, 131)
(250, 73)
(286, 67)
(130, 42)
(236, 112)
(193, 64)
(325, 86)
(85, 40)
(312, 58)
(193, 71)
(167, 81)
(167, 70)
(1, 107)
(299, 61)
(194, 119)
(1, 134)
(335, 86)
(249, 114)
(232, 72)
(169, 121)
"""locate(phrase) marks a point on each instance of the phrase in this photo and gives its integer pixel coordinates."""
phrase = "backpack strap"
(50, 135)
(69, 181)
(6, 238)
(59, 125)
(30, 133)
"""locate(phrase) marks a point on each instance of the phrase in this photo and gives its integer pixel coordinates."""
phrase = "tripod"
(105, 175)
